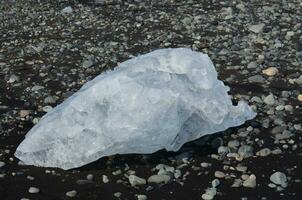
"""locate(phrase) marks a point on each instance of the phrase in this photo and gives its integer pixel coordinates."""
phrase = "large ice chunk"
(162, 99)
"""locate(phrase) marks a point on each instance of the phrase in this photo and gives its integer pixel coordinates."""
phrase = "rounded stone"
(33, 190)
(71, 193)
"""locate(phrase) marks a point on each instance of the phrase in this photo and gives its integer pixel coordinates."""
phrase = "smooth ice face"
(162, 99)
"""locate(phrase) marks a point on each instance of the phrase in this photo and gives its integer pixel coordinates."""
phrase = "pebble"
(279, 178)
(24, 113)
(219, 174)
(2, 164)
(90, 177)
(300, 97)
(280, 107)
(13, 78)
(47, 108)
(30, 178)
(117, 194)
(162, 178)
(105, 179)
(250, 182)
(241, 168)
(209, 194)
(269, 100)
(36, 88)
(234, 144)
(264, 152)
(33, 190)
(204, 164)
(252, 65)
(117, 172)
(288, 108)
(135, 180)
(50, 100)
(257, 28)
(67, 9)
(142, 197)
(271, 71)
(237, 183)
(223, 150)
(245, 151)
(71, 193)
(87, 63)
(256, 99)
(256, 79)
(299, 80)
(215, 183)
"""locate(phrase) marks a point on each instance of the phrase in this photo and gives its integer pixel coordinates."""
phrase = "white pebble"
(33, 190)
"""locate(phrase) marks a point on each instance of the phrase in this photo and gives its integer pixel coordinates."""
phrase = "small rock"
(24, 113)
(223, 150)
(257, 28)
(67, 9)
(87, 63)
(159, 179)
(280, 107)
(233, 144)
(252, 65)
(142, 197)
(33, 190)
(2, 164)
(245, 151)
(237, 183)
(135, 180)
(250, 182)
(299, 80)
(13, 78)
(90, 177)
(215, 183)
(105, 179)
(288, 108)
(256, 79)
(300, 97)
(209, 194)
(71, 193)
(117, 172)
(50, 100)
(30, 178)
(241, 168)
(219, 174)
(269, 100)
(117, 194)
(47, 108)
(36, 88)
(279, 178)
(264, 152)
(204, 164)
(271, 71)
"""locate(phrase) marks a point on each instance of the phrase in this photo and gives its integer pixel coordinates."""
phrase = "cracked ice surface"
(162, 99)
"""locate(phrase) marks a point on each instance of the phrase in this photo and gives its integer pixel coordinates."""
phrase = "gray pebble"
(279, 178)
(33, 190)
(2, 163)
(256, 79)
(135, 180)
(159, 179)
(269, 100)
(245, 151)
(71, 193)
